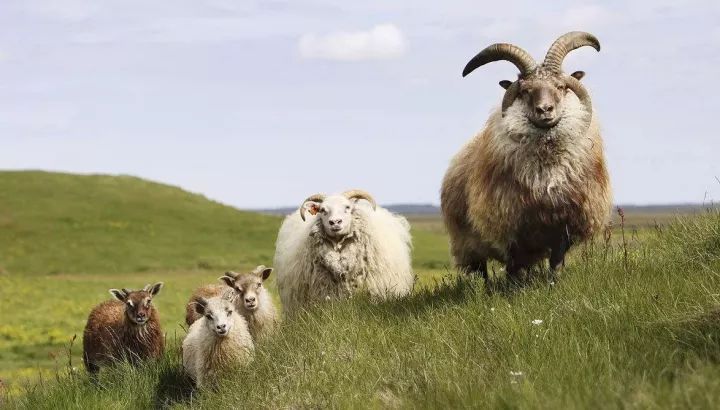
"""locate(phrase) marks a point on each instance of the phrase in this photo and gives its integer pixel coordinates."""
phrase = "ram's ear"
(578, 75)
(200, 305)
(505, 84)
(312, 207)
(118, 294)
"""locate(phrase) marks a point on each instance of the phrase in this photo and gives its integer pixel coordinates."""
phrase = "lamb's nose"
(221, 327)
(335, 221)
(141, 315)
(250, 299)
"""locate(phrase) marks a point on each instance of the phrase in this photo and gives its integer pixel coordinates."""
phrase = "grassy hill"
(60, 223)
(620, 330)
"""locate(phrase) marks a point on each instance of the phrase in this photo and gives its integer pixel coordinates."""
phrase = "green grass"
(54, 223)
(616, 332)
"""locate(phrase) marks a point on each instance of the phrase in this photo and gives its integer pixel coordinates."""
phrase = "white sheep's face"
(335, 212)
(218, 313)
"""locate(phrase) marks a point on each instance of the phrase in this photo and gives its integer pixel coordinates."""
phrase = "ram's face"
(335, 212)
(543, 97)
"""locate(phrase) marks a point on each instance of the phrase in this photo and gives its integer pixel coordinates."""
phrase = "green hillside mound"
(62, 223)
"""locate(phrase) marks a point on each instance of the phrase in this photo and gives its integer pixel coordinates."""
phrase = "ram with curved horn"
(534, 181)
(340, 245)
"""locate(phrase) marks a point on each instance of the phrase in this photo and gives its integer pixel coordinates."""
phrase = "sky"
(259, 104)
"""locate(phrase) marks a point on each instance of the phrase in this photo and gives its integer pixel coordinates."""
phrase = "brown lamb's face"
(138, 304)
(248, 285)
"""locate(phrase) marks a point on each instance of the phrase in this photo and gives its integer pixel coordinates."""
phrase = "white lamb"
(217, 342)
(345, 246)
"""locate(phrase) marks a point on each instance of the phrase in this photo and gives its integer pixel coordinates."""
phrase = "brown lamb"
(127, 328)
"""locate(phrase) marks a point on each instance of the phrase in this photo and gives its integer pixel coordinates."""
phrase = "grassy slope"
(645, 335)
(60, 223)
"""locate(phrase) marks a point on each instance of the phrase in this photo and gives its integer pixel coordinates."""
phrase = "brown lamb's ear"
(266, 273)
(578, 75)
(200, 305)
(505, 84)
(155, 289)
(119, 294)
(228, 280)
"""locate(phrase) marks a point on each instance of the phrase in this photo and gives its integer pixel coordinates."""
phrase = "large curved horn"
(360, 194)
(314, 198)
(582, 94)
(565, 44)
(502, 51)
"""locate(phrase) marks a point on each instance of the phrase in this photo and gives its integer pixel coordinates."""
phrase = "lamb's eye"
(209, 316)
(229, 312)
(347, 208)
(259, 285)
(561, 87)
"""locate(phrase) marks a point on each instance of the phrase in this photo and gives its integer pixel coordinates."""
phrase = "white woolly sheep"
(534, 181)
(250, 296)
(216, 343)
(343, 247)
(126, 328)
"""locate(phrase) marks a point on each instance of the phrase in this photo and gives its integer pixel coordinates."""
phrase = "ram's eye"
(347, 208)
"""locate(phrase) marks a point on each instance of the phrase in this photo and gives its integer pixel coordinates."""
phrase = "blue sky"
(261, 103)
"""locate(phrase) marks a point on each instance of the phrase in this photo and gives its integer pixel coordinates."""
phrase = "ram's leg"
(557, 256)
(467, 259)
(479, 267)
(516, 264)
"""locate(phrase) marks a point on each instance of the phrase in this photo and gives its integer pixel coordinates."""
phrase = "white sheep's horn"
(314, 198)
(360, 194)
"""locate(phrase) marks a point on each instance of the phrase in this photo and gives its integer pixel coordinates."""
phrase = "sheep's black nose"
(335, 221)
(221, 327)
(250, 299)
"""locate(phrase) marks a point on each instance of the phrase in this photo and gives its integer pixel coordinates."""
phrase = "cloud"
(383, 41)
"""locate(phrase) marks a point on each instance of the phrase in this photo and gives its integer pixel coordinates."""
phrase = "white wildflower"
(537, 322)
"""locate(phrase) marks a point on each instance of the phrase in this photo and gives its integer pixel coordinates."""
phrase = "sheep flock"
(529, 186)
